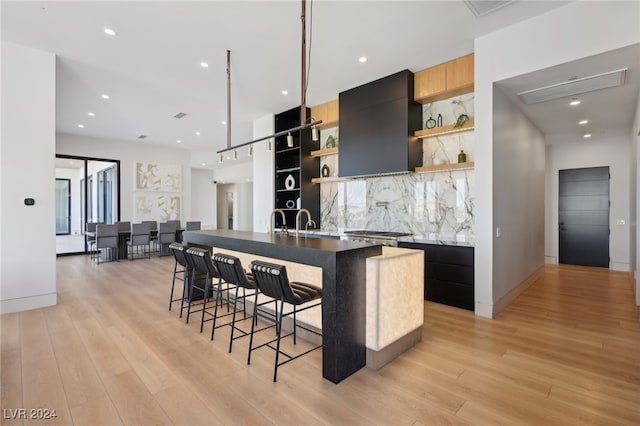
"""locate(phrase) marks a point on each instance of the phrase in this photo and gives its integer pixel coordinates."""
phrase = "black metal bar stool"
(231, 271)
(203, 274)
(272, 281)
(181, 271)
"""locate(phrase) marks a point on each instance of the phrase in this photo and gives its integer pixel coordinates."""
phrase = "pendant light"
(290, 140)
(220, 159)
(314, 134)
(250, 151)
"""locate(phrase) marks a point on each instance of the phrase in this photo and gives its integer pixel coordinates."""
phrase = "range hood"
(377, 122)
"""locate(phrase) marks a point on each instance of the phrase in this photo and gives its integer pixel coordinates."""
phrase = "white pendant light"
(269, 145)
(250, 151)
(235, 155)
(290, 140)
(220, 158)
(314, 134)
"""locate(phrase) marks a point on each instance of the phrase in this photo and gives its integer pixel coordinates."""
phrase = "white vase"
(289, 182)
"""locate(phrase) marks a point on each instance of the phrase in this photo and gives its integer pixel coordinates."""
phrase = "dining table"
(124, 236)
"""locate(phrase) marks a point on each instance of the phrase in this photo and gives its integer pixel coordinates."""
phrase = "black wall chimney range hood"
(377, 123)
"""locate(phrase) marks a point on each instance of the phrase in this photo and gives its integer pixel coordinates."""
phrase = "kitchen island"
(343, 266)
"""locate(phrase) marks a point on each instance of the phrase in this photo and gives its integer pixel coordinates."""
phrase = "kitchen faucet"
(271, 221)
(309, 221)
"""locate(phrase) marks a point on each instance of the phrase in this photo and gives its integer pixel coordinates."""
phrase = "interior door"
(583, 217)
(63, 206)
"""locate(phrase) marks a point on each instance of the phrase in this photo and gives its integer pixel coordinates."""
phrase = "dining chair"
(140, 237)
(107, 240)
(91, 239)
(166, 236)
(193, 226)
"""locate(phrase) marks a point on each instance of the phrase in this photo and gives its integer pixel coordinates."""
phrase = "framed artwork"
(159, 207)
(158, 177)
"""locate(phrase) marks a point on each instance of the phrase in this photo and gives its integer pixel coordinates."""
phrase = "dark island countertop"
(344, 274)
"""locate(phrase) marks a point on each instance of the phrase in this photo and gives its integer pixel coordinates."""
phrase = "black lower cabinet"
(448, 274)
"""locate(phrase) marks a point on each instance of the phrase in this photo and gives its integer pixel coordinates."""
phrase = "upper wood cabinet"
(327, 112)
(444, 81)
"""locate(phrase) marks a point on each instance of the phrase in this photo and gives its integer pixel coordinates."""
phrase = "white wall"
(518, 188)
(571, 32)
(242, 205)
(27, 169)
(203, 198)
(129, 153)
(263, 175)
(611, 152)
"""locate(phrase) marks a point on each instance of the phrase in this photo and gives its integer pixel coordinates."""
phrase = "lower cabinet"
(448, 274)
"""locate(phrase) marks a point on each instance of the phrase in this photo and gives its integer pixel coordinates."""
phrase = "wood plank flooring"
(566, 352)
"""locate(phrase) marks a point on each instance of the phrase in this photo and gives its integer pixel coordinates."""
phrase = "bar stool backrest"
(179, 252)
(231, 270)
(272, 280)
(202, 262)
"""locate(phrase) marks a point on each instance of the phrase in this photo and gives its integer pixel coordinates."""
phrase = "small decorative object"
(331, 142)
(289, 182)
(462, 118)
(290, 204)
(439, 120)
(431, 123)
(298, 205)
(325, 171)
(462, 157)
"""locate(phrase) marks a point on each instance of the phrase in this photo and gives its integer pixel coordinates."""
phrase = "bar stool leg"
(279, 333)
(233, 320)
(254, 321)
(204, 302)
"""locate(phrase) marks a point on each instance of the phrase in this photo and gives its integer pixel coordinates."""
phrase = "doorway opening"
(583, 216)
(92, 188)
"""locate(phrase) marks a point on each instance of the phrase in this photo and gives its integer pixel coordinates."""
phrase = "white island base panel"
(394, 300)
(395, 304)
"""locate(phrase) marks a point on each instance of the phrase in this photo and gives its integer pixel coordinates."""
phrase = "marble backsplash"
(437, 206)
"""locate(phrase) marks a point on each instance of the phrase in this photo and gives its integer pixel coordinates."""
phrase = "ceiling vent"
(180, 115)
(482, 7)
(574, 87)
(142, 137)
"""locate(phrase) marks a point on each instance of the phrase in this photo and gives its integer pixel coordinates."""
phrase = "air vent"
(180, 115)
(574, 87)
(482, 7)
(142, 137)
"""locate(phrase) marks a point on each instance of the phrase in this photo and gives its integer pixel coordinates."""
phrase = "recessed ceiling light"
(91, 114)
(110, 32)
(104, 96)
(197, 133)
(204, 65)
(362, 59)
(587, 135)
(285, 92)
(224, 123)
(204, 164)
(81, 126)
(178, 141)
(583, 122)
(574, 102)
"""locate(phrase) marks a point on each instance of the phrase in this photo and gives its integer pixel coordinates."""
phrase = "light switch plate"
(621, 222)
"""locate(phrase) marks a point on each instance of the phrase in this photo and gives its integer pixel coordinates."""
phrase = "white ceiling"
(151, 68)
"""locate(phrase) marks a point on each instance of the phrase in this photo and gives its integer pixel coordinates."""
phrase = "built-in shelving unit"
(445, 167)
(295, 164)
(444, 130)
(323, 152)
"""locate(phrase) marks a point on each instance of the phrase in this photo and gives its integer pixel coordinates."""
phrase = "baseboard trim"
(378, 359)
(28, 303)
(516, 291)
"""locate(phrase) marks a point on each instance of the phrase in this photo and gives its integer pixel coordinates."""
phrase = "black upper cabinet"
(294, 168)
(377, 121)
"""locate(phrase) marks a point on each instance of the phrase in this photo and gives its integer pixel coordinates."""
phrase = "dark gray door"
(583, 216)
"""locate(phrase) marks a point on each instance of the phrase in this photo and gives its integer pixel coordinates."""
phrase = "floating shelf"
(446, 167)
(328, 179)
(323, 152)
(444, 130)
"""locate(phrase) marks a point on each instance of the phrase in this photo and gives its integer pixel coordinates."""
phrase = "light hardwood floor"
(566, 352)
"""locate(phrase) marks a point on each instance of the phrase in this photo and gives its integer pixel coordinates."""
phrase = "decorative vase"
(290, 182)
(462, 157)
(325, 171)
(430, 123)
(290, 204)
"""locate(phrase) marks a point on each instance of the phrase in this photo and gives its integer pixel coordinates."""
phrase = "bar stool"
(231, 271)
(202, 272)
(272, 281)
(182, 274)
